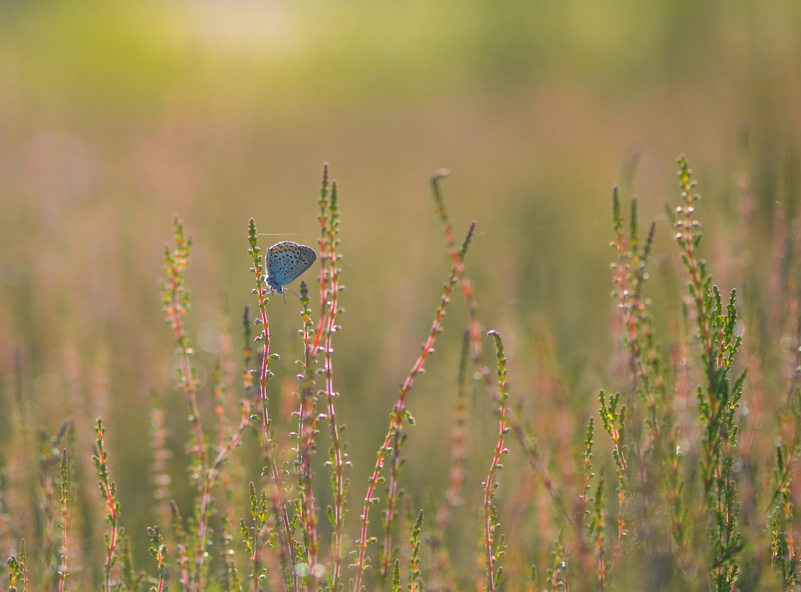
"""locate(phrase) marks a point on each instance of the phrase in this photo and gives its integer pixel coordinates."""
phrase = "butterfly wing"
(286, 261)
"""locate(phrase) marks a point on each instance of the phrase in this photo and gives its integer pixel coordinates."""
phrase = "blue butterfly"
(286, 261)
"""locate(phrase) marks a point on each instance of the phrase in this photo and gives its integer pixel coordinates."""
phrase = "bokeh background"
(114, 117)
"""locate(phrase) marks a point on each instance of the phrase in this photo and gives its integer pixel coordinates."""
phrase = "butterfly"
(286, 261)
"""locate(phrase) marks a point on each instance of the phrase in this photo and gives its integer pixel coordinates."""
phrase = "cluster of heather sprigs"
(664, 486)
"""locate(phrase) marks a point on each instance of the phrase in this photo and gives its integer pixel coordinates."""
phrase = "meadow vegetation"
(681, 478)
(463, 394)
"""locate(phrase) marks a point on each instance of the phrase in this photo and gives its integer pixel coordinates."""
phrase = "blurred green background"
(116, 116)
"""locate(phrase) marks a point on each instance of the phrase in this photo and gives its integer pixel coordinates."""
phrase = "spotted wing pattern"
(286, 261)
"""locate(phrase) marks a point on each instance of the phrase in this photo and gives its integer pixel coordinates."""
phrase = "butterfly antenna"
(295, 294)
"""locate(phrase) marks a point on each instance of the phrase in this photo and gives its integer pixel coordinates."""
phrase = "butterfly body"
(286, 261)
